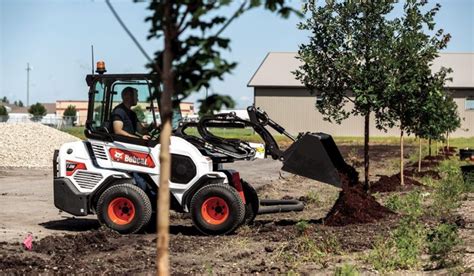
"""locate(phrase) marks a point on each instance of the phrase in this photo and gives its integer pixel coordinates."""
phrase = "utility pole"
(28, 69)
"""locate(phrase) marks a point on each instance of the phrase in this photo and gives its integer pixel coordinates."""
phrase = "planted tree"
(3, 114)
(38, 111)
(215, 103)
(190, 59)
(412, 52)
(437, 113)
(71, 114)
(5, 100)
(346, 60)
(20, 104)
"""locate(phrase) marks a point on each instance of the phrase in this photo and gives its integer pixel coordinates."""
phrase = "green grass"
(77, 131)
(250, 136)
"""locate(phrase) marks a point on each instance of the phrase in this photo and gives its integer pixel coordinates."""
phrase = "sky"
(55, 36)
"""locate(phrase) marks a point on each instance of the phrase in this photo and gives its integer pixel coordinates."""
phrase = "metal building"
(289, 103)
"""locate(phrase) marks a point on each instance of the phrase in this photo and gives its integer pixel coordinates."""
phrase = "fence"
(56, 121)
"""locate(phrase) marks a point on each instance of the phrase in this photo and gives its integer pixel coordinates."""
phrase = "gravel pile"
(30, 145)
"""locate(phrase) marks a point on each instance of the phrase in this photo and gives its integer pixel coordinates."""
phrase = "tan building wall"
(81, 108)
(294, 109)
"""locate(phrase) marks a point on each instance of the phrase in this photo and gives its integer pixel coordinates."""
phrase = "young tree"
(37, 110)
(15, 103)
(347, 52)
(412, 53)
(215, 103)
(71, 114)
(3, 113)
(191, 57)
(20, 104)
(5, 100)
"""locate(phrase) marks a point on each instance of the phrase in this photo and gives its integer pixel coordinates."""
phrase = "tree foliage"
(197, 40)
(71, 114)
(347, 52)
(3, 113)
(412, 84)
(215, 103)
(38, 111)
(5, 100)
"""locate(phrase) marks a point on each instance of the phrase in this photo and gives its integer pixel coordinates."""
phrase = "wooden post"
(402, 181)
(419, 155)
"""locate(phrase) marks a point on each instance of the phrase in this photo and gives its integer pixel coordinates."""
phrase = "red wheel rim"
(215, 210)
(121, 210)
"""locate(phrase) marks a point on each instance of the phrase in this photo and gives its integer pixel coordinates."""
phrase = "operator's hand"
(146, 137)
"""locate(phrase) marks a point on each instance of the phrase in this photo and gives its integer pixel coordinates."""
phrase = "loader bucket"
(315, 156)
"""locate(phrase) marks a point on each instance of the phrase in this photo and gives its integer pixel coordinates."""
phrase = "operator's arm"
(118, 129)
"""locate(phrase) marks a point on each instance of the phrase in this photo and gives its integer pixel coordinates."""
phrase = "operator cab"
(105, 94)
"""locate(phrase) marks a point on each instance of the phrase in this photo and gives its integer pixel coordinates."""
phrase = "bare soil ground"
(276, 243)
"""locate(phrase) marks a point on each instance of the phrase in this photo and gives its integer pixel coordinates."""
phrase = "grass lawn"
(251, 136)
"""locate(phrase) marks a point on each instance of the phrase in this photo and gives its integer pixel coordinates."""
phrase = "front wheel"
(124, 208)
(217, 209)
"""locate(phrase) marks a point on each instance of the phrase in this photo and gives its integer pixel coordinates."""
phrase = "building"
(81, 109)
(289, 103)
(17, 114)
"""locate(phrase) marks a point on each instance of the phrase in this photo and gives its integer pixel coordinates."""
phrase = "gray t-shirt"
(127, 116)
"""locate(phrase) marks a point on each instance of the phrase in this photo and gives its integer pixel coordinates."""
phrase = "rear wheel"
(124, 208)
(217, 209)
(251, 202)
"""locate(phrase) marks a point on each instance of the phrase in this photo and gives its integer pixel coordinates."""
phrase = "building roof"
(50, 108)
(277, 67)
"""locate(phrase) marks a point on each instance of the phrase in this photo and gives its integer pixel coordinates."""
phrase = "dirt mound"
(87, 242)
(392, 183)
(93, 252)
(354, 205)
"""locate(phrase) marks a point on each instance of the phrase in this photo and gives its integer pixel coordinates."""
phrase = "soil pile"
(30, 145)
(392, 183)
(94, 252)
(354, 205)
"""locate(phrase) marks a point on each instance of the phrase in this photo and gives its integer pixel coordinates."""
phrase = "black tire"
(252, 202)
(117, 204)
(230, 209)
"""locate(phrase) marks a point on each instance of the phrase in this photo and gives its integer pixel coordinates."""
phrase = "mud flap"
(315, 156)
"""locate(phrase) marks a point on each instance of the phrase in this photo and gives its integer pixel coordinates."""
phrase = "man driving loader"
(124, 119)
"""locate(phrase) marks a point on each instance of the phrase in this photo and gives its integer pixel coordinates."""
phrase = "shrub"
(302, 226)
(409, 204)
(38, 111)
(449, 190)
(346, 270)
(71, 114)
(441, 240)
(3, 114)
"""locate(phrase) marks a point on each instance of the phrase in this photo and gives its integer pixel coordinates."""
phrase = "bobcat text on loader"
(116, 177)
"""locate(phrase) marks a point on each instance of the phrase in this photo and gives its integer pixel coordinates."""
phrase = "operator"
(124, 119)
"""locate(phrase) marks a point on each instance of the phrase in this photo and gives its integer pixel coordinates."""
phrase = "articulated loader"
(100, 175)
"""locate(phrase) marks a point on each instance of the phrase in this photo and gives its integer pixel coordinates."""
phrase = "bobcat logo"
(118, 155)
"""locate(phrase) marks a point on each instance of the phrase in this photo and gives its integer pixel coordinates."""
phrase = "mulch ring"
(392, 183)
(354, 205)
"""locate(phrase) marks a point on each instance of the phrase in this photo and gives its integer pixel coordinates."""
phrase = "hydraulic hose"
(270, 206)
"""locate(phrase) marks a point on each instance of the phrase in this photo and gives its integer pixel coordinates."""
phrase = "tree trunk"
(165, 136)
(402, 180)
(366, 152)
(419, 155)
(447, 141)
(429, 147)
